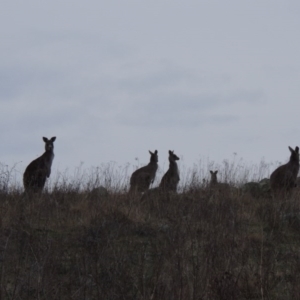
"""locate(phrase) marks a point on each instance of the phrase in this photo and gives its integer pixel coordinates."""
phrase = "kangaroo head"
(49, 143)
(172, 156)
(294, 154)
(154, 156)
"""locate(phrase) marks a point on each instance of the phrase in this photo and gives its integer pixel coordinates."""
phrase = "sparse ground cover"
(76, 242)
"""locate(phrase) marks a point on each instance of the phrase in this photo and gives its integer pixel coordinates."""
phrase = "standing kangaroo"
(39, 170)
(171, 178)
(141, 179)
(284, 178)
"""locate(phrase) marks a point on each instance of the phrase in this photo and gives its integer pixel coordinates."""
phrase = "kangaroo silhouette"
(214, 183)
(141, 178)
(284, 178)
(171, 178)
(213, 178)
(39, 170)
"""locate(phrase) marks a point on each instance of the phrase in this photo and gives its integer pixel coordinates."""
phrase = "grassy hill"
(202, 243)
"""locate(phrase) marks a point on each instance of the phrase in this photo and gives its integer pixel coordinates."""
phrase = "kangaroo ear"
(45, 139)
(53, 139)
(291, 149)
(150, 152)
(211, 172)
(216, 172)
(155, 151)
(297, 149)
(170, 152)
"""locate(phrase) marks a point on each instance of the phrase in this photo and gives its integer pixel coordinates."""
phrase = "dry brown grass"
(73, 243)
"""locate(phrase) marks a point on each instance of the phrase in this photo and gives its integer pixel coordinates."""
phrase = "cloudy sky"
(114, 79)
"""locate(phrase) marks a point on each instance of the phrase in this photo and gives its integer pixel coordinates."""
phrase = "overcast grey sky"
(114, 79)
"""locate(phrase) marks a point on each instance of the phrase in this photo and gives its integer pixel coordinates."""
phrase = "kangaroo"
(141, 178)
(39, 170)
(213, 178)
(214, 181)
(171, 178)
(284, 178)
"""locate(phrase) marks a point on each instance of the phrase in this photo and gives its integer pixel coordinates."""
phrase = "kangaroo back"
(284, 178)
(171, 178)
(39, 170)
(141, 179)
